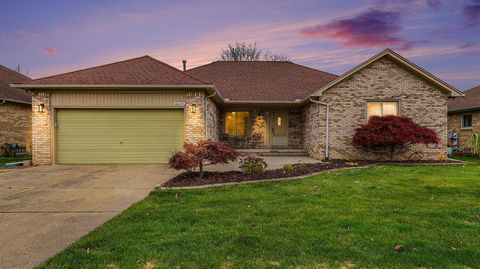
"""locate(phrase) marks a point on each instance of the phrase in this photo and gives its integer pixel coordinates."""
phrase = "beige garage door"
(86, 136)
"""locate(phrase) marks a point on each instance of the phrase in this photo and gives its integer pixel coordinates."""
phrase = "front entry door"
(278, 129)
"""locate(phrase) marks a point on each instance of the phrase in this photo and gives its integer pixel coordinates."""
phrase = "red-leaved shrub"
(195, 155)
(390, 132)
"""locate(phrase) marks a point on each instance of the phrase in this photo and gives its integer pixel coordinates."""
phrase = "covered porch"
(262, 127)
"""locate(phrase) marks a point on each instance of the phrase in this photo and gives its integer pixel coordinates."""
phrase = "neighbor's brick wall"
(382, 80)
(212, 120)
(16, 124)
(455, 124)
(195, 122)
(42, 148)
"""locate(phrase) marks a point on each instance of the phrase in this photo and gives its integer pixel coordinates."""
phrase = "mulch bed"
(190, 179)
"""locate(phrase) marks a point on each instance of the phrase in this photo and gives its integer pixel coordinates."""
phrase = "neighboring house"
(464, 117)
(15, 110)
(141, 110)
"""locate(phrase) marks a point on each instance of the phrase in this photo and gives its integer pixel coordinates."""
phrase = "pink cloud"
(50, 51)
(66, 53)
(373, 28)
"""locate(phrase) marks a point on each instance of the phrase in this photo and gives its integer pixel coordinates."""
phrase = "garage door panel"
(118, 136)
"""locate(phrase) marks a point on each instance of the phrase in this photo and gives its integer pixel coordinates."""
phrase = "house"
(464, 117)
(15, 110)
(141, 110)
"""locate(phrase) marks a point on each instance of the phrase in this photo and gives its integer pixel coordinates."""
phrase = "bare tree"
(240, 51)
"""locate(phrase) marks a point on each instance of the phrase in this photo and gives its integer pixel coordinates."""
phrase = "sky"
(54, 36)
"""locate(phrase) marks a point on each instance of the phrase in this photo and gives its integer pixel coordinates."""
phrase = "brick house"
(464, 117)
(15, 110)
(141, 110)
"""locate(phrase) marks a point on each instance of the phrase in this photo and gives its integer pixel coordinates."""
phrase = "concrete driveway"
(44, 209)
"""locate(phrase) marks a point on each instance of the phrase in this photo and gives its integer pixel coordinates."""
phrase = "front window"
(467, 121)
(237, 123)
(382, 109)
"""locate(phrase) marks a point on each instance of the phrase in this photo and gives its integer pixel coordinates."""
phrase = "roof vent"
(184, 62)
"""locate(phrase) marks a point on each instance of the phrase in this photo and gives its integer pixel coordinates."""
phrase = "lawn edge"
(159, 187)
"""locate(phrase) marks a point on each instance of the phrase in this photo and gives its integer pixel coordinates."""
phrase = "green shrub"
(253, 165)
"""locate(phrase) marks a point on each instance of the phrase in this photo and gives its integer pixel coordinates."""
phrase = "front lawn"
(350, 219)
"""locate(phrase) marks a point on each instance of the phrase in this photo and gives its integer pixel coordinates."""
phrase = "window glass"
(382, 109)
(242, 123)
(237, 123)
(374, 109)
(466, 121)
(230, 123)
(390, 108)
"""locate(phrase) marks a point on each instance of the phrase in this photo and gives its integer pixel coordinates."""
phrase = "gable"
(400, 61)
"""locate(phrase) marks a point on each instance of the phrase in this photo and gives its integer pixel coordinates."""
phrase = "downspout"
(327, 137)
(205, 111)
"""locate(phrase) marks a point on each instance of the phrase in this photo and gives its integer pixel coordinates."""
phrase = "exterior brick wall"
(295, 129)
(42, 130)
(195, 121)
(455, 124)
(381, 80)
(212, 120)
(16, 124)
(314, 117)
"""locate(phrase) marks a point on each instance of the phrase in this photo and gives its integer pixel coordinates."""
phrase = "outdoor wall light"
(40, 107)
(193, 108)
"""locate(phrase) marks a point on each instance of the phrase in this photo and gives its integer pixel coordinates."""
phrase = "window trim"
(461, 121)
(398, 101)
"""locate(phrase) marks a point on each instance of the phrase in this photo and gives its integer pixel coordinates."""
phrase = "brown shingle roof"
(8, 76)
(470, 101)
(262, 80)
(138, 71)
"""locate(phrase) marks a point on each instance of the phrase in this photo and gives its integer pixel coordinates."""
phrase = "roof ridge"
(476, 88)
(288, 62)
(314, 69)
(201, 66)
(89, 68)
(14, 72)
(176, 69)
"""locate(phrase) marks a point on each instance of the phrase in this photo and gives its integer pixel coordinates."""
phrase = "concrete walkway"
(44, 209)
(273, 162)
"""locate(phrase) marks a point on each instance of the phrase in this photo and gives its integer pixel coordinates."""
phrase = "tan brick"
(382, 80)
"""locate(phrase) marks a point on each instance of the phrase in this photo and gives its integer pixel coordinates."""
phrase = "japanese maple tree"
(195, 155)
(391, 132)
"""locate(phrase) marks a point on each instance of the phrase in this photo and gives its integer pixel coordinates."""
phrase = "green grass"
(467, 159)
(351, 218)
(4, 160)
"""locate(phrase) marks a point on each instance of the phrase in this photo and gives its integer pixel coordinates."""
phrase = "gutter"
(327, 137)
(108, 86)
(14, 101)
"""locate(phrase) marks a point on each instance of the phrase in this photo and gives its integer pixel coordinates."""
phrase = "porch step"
(274, 152)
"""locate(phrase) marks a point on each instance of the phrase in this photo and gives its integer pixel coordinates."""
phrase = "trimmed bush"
(195, 155)
(391, 132)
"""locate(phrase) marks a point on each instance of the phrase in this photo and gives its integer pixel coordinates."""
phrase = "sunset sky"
(50, 37)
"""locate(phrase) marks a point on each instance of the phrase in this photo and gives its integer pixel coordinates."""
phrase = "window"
(237, 123)
(382, 109)
(467, 121)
